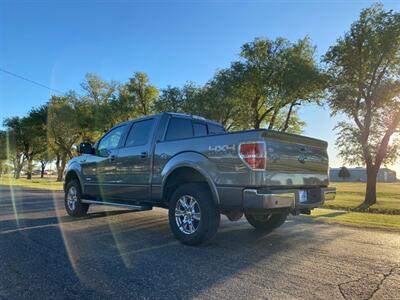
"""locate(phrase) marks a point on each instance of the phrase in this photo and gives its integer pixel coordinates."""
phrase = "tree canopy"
(344, 173)
(270, 80)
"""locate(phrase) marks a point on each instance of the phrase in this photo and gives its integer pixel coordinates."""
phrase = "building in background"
(360, 175)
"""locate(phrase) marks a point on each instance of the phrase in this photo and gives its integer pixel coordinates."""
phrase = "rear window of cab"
(181, 128)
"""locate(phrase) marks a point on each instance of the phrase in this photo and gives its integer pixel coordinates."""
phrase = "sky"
(56, 43)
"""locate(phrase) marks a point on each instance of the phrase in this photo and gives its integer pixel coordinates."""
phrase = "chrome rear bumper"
(291, 198)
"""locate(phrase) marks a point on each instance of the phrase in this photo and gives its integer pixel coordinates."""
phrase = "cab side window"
(199, 129)
(179, 128)
(111, 140)
(140, 133)
(215, 129)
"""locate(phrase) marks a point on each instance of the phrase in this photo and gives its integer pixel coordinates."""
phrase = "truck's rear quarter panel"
(292, 161)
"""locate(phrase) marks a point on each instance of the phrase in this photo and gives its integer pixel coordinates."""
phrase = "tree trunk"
(61, 168)
(255, 116)
(256, 124)
(58, 167)
(29, 169)
(43, 166)
(18, 165)
(370, 192)
(256, 120)
(286, 125)
(17, 172)
(272, 120)
(59, 175)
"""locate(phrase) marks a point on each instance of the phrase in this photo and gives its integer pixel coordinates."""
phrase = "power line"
(31, 81)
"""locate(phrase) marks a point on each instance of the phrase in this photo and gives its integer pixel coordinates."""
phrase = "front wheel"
(72, 200)
(193, 217)
(266, 222)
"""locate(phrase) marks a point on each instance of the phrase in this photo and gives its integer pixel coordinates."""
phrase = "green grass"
(357, 219)
(39, 183)
(351, 194)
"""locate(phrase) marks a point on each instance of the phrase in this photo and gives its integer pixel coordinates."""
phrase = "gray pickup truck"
(198, 171)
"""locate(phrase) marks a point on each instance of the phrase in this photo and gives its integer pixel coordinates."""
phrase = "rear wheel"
(266, 222)
(72, 200)
(193, 217)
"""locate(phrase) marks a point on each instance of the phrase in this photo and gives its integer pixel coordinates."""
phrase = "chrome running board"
(131, 206)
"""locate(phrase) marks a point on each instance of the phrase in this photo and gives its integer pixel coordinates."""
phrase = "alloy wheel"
(187, 214)
(72, 198)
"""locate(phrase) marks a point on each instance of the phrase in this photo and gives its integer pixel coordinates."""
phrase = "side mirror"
(103, 152)
(86, 148)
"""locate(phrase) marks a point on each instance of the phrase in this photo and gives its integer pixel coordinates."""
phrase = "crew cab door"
(134, 162)
(100, 169)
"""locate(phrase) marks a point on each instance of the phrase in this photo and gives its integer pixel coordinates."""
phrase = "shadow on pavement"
(116, 254)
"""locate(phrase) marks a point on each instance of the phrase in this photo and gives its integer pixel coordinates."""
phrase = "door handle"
(112, 158)
(143, 154)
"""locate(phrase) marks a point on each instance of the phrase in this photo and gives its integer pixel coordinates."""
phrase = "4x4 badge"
(222, 148)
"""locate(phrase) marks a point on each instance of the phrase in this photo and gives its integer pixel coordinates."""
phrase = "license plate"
(302, 196)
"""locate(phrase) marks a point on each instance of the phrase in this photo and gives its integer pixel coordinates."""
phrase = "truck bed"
(292, 160)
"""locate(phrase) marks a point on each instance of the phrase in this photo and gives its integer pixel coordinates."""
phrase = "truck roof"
(171, 114)
(193, 117)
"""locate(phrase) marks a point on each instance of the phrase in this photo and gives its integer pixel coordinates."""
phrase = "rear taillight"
(254, 155)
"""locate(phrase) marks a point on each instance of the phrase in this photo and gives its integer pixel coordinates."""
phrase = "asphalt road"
(121, 254)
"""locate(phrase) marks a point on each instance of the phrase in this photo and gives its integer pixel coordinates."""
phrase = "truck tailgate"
(291, 153)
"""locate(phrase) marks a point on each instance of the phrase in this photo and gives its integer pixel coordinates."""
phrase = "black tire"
(210, 217)
(79, 209)
(266, 222)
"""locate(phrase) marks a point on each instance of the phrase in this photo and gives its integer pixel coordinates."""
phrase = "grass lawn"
(357, 219)
(351, 194)
(48, 183)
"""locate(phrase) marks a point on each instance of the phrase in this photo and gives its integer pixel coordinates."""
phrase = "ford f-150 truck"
(196, 170)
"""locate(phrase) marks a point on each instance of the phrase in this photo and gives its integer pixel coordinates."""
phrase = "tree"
(3, 167)
(44, 159)
(43, 152)
(271, 79)
(171, 99)
(3, 151)
(26, 138)
(343, 173)
(137, 97)
(64, 131)
(95, 109)
(364, 66)
(3, 146)
(34, 128)
(301, 81)
(257, 73)
(14, 144)
(218, 100)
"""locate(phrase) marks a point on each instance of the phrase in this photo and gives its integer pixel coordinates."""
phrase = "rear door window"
(199, 129)
(140, 133)
(215, 129)
(179, 128)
